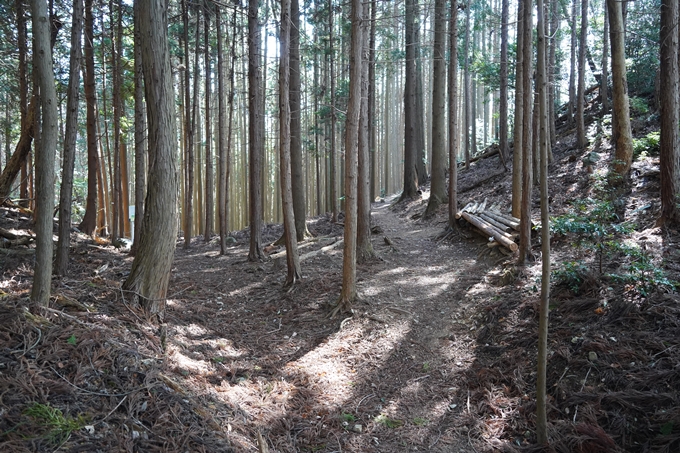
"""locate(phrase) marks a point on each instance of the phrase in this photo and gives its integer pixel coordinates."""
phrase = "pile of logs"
(12, 243)
(500, 229)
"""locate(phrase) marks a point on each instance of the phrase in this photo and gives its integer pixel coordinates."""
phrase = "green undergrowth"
(610, 255)
(56, 428)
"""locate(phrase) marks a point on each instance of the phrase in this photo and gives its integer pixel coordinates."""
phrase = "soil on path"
(385, 378)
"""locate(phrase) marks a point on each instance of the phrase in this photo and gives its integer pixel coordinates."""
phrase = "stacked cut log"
(498, 228)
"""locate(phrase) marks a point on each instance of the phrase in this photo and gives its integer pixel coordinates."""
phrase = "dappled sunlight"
(187, 363)
(394, 271)
(334, 367)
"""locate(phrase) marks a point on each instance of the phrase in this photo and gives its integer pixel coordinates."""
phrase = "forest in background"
(324, 84)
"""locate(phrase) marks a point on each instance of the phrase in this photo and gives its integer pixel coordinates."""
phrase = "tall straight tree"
(364, 247)
(670, 154)
(299, 201)
(69, 156)
(22, 38)
(410, 138)
(517, 156)
(604, 80)
(140, 139)
(552, 67)
(348, 294)
(372, 136)
(44, 153)
(421, 157)
(89, 223)
(623, 156)
(292, 258)
(544, 306)
(439, 151)
(527, 153)
(222, 168)
(209, 176)
(188, 211)
(466, 89)
(572, 62)
(117, 229)
(255, 131)
(150, 273)
(453, 114)
(581, 140)
(333, 158)
(503, 107)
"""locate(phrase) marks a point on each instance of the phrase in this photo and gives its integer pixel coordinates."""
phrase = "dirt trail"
(385, 379)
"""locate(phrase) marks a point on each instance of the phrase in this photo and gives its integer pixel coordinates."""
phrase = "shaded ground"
(439, 354)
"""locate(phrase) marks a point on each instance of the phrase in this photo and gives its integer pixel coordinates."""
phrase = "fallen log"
(322, 250)
(325, 241)
(505, 220)
(501, 226)
(491, 231)
(20, 252)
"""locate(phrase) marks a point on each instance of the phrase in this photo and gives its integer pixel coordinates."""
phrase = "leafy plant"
(58, 426)
(647, 145)
(639, 271)
(572, 275)
(638, 106)
(594, 224)
(388, 422)
(419, 421)
(349, 418)
(71, 339)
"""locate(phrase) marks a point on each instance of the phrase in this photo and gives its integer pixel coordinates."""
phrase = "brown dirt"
(439, 354)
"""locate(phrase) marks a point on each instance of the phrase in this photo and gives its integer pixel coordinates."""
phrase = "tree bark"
(188, 212)
(140, 139)
(21, 152)
(89, 223)
(466, 90)
(364, 247)
(604, 80)
(623, 156)
(410, 121)
(439, 154)
(527, 173)
(23, 104)
(453, 114)
(298, 177)
(544, 307)
(292, 257)
(372, 137)
(348, 294)
(209, 176)
(581, 140)
(572, 63)
(69, 156)
(421, 157)
(221, 138)
(517, 152)
(503, 107)
(44, 153)
(117, 229)
(333, 158)
(255, 132)
(150, 273)
(670, 155)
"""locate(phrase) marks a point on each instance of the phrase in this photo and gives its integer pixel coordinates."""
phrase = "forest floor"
(439, 354)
